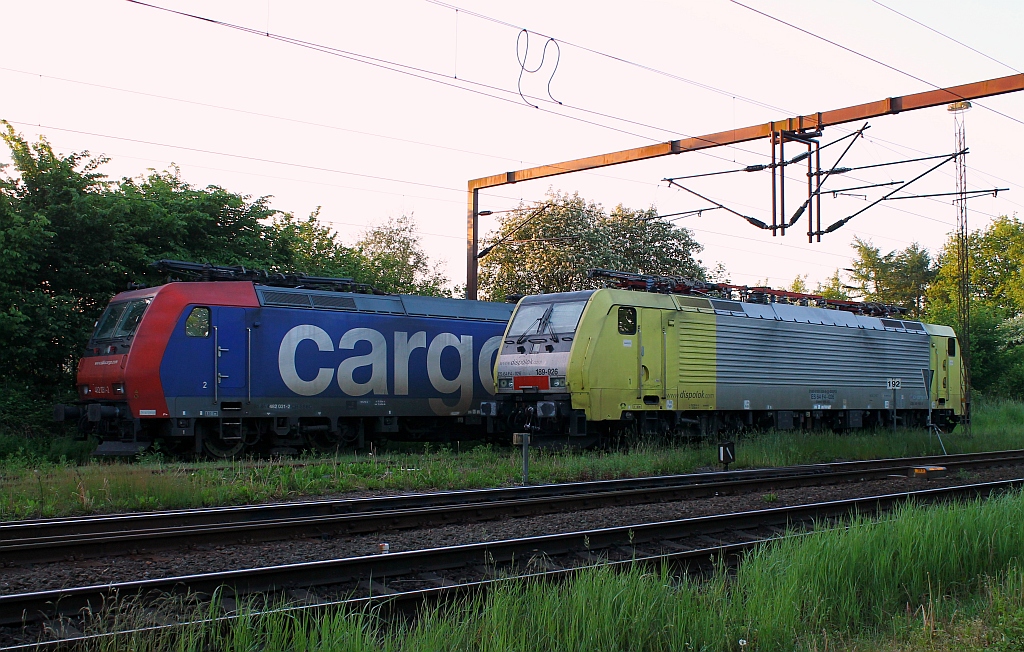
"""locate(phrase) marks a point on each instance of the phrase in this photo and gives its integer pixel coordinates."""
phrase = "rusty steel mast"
(798, 128)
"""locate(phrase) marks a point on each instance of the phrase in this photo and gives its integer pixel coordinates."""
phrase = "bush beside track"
(32, 484)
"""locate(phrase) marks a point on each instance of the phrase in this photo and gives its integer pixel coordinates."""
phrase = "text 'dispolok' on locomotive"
(694, 357)
(242, 360)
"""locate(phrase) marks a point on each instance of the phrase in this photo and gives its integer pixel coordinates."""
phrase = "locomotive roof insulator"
(743, 293)
(209, 272)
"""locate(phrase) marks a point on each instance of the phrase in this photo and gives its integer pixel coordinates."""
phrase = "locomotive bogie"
(662, 363)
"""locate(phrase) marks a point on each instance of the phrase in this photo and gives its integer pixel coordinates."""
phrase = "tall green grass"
(31, 485)
(946, 577)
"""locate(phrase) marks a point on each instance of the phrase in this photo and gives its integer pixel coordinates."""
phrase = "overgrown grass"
(947, 577)
(34, 484)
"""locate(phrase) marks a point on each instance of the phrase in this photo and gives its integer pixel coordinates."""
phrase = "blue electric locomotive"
(226, 366)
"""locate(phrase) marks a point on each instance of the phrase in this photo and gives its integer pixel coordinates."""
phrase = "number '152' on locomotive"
(587, 363)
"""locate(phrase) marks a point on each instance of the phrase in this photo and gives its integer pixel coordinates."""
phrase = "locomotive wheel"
(219, 448)
(323, 441)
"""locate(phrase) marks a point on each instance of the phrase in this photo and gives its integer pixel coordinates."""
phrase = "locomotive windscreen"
(555, 317)
(120, 319)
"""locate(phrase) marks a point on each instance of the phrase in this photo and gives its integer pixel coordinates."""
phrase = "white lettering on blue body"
(404, 346)
(376, 359)
(462, 383)
(286, 360)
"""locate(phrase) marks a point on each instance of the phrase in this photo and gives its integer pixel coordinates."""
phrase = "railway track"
(419, 574)
(38, 541)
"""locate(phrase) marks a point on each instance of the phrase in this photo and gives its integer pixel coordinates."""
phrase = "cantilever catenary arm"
(887, 106)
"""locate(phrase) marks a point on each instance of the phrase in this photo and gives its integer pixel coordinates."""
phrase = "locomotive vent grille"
(290, 299)
(732, 306)
(333, 303)
(303, 300)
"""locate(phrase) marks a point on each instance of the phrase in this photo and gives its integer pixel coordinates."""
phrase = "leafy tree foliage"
(997, 267)
(799, 284)
(833, 288)
(550, 250)
(899, 278)
(71, 239)
(396, 262)
(309, 246)
(997, 304)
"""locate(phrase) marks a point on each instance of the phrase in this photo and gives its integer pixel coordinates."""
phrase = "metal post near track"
(928, 375)
(523, 438)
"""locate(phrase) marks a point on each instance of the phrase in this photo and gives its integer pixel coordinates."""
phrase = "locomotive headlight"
(557, 381)
(118, 388)
(505, 383)
(84, 389)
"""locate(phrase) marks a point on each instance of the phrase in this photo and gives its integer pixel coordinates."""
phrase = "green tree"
(833, 288)
(898, 278)
(997, 303)
(309, 246)
(996, 266)
(396, 261)
(72, 239)
(550, 249)
(799, 284)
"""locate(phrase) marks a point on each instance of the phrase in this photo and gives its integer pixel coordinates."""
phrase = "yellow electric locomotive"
(687, 356)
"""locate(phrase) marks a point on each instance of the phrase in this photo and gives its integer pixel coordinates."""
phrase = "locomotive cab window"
(132, 316)
(627, 321)
(108, 321)
(546, 318)
(198, 323)
(951, 347)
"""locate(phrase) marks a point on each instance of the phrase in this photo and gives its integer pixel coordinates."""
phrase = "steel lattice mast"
(963, 256)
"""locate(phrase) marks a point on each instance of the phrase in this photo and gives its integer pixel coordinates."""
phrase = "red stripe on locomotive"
(141, 371)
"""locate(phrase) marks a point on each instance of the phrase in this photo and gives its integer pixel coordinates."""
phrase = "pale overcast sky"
(261, 116)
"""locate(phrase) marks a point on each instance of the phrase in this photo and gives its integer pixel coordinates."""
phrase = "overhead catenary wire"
(945, 36)
(752, 220)
(840, 223)
(863, 56)
(724, 92)
(973, 193)
(257, 114)
(835, 191)
(537, 212)
(439, 78)
(253, 158)
(681, 214)
(838, 170)
(452, 188)
(321, 48)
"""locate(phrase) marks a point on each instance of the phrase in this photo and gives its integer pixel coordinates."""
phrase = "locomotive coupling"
(94, 412)
(63, 413)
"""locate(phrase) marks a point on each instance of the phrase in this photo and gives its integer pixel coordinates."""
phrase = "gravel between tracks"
(210, 558)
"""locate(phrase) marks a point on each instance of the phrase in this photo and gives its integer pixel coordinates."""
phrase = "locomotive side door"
(652, 353)
(947, 364)
(230, 351)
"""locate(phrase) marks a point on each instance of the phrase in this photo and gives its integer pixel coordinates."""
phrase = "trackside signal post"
(799, 129)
